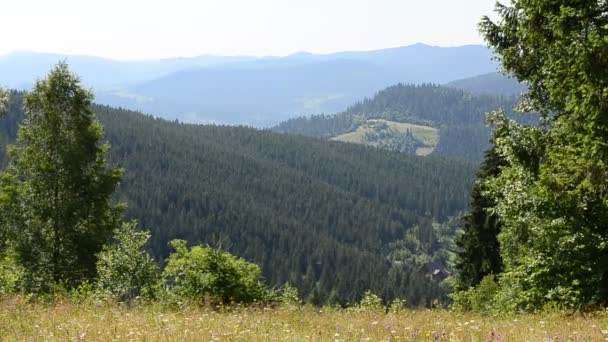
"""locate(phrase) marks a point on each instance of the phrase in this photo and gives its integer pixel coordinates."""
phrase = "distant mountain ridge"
(250, 90)
(490, 84)
(20, 69)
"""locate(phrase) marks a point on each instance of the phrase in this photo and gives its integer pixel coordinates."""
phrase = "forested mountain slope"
(457, 114)
(334, 219)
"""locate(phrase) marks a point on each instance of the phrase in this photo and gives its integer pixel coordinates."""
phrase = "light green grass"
(65, 321)
(426, 134)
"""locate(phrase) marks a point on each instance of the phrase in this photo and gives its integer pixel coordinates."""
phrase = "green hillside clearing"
(377, 132)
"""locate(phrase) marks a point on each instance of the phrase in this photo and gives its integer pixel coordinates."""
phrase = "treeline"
(319, 215)
(459, 116)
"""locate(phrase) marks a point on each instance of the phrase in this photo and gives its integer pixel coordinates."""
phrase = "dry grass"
(64, 321)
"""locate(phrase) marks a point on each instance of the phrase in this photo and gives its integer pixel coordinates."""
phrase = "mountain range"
(257, 91)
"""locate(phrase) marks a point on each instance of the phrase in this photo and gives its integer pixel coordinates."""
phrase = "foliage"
(371, 302)
(59, 184)
(203, 273)
(427, 243)
(478, 250)
(553, 198)
(289, 295)
(10, 274)
(397, 305)
(317, 214)
(481, 299)
(124, 269)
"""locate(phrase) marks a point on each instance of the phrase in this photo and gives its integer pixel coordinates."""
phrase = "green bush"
(10, 274)
(482, 299)
(125, 270)
(290, 296)
(371, 302)
(205, 274)
(397, 305)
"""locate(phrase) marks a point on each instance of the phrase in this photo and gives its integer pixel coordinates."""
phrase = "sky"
(153, 29)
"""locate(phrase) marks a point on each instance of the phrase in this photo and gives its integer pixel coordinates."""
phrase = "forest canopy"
(327, 217)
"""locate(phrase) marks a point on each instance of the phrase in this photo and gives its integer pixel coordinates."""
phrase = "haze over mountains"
(258, 91)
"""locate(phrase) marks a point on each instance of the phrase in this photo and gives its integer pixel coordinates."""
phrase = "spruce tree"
(478, 250)
(59, 184)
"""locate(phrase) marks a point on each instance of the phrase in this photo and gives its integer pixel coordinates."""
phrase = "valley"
(321, 215)
(266, 170)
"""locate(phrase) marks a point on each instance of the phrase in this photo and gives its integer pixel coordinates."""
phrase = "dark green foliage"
(459, 116)
(552, 198)
(125, 271)
(478, 250)
(416, 258)
(57, 186)
(481, 299)
(207, 274)
(316, 214)
(387, 139)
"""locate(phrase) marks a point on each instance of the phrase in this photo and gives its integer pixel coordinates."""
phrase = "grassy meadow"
(65, 321)
(426, 134)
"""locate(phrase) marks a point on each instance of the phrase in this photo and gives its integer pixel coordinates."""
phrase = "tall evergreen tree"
(59, 184)
(553, 197)
(478, 250)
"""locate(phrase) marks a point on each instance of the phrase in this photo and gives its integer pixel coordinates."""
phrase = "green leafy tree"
(125, 270)
(58, 185)
(478, 250)
(553, 198)
(203, 273)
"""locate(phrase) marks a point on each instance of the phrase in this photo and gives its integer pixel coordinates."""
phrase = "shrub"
(203, 273)
(480, 299)
(10, 274)
(371, 301)
(125, 270)
(290, 296)
(398, 305)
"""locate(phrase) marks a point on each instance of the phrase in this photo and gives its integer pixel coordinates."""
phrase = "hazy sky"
(149, 29)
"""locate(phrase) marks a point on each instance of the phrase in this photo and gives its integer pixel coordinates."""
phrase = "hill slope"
(458, 115)
(396, 136)
(332, 218)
